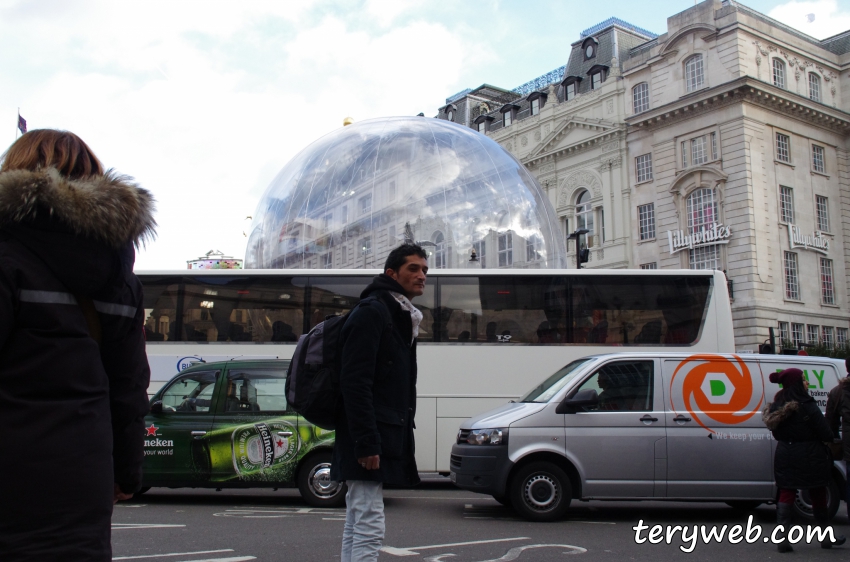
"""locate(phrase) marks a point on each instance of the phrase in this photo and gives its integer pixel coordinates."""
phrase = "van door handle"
(197, 434)
(681, 419)
(285, 433)
(648, 419)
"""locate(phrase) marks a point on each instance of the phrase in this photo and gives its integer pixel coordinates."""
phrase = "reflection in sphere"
(355, 194)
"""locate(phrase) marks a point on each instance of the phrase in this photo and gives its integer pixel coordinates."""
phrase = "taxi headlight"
(488, 437)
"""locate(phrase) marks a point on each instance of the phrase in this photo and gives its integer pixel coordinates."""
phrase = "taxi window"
(256, 390)
(622, 386)
(189, 393)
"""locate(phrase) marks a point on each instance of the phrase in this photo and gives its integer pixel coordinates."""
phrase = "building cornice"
(744, 89)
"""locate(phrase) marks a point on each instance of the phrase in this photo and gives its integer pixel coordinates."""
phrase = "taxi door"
(717, 444)
(255, 437)
(181, 417)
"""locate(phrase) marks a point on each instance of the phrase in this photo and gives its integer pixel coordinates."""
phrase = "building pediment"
(573, 133)
(702, 28)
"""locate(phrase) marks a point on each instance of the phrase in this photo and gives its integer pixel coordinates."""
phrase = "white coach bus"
(486, 336)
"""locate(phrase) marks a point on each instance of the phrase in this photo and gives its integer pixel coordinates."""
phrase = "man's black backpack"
(312, 380)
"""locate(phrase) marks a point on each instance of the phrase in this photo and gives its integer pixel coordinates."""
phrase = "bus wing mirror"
(582, 399)
(156, 407)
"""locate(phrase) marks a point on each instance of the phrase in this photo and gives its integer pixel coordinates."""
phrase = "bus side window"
(161, 309)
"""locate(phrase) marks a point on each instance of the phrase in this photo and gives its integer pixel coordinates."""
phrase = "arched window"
(778, 73)
(584, 218)
(694, 77)
(450, 115)
(814, 87)
(640, 97)
(440, 251)
(702, 214)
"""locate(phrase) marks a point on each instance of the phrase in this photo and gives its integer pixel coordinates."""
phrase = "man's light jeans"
(364, 521)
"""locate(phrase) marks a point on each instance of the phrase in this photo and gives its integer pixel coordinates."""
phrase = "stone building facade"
(738, 160)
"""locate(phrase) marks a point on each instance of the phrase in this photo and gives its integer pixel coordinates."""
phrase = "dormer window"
(482, 123)
(589, 48)
(571, 84)
(451, 110)
(508, 112)
(536, 100)
(597, 74)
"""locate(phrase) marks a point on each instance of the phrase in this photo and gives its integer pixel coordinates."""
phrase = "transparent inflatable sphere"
(352, 196)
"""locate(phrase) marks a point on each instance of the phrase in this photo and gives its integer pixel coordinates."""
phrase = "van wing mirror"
(581, 399)
(156, 407)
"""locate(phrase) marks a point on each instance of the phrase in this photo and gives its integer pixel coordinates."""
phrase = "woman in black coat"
(801, 461)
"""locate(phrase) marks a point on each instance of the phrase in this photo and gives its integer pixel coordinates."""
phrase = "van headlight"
(487, 437)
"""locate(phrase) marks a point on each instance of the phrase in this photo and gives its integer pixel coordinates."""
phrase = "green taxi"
(228, 425)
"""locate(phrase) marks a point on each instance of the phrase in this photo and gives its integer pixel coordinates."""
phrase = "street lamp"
(581, 255)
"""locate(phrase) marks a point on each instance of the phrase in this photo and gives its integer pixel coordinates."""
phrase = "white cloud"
(204, 102)
(828, 20)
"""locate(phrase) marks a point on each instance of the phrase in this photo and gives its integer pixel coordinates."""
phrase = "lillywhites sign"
(814, 242)
(715, 234)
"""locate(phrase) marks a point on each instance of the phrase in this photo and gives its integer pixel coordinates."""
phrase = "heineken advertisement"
(261, 446)
(815, 242)
(715, 234)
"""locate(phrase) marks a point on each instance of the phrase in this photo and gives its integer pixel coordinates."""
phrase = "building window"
(506, 118)
(694, 73)
(440, 251)
(786, 204)
(327, 260)
(602, 223)
(702, 214)
(814, 87)
(640, 97)
(822, 208)
(652, 265)
(327, 221)
(685, 154)
(826, 281)
(713, 146)
(828, 336)
(812, 334)
(698, 152)
(343, 256)
(817, 159)
(595, 80)
(391, 191)
(792, 285)
(450, 115)
(841, 337)
(796, 334)
(778, 73)
(535, 106)
(391, 235)
(646, 218)
(784, 336)
(366, 246)
(783, 147)
(366, 204)
(531, 245)
(344, 215)
(570, 91)
(481, 251)
(506, 250)
(482, 127)
(643, 167)
(584, 219)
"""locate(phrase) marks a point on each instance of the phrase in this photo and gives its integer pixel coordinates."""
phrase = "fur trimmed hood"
(110, 208)
(773, 419)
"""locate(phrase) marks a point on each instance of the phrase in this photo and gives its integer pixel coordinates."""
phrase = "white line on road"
(172, 554)
(116, 526)
(514, 553)
(409, 551)
(333, 518)
(234, 559)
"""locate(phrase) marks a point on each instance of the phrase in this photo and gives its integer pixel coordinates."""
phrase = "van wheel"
(803, 502)
(504, 500)
(540, 491)
(743, 505)
(315, 484)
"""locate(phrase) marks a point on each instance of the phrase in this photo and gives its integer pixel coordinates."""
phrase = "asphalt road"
(433, 523)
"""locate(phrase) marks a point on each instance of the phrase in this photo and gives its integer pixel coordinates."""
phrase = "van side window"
(622, 386)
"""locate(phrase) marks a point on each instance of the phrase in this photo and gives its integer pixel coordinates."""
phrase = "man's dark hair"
(398, 256)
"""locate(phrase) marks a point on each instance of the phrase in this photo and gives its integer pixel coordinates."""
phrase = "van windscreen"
(550, 387)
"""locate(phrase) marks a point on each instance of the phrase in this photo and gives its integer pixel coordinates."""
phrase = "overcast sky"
(203, 102)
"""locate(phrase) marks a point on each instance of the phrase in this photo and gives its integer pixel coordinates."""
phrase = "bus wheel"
(540, 491)
(803, 502)
(315, 484)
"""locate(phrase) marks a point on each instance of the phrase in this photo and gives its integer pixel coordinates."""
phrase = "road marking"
(333, 518)
(116, 526)
(233, 559)
(172, 554)
(410, 550)
(277, 513)
(596, 522)
(514, 553)
(133, 505)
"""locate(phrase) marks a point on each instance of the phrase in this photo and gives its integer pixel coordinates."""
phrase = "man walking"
(838, 410)
(374, 421)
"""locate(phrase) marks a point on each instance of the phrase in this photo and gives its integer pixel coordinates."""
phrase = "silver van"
(638, 426)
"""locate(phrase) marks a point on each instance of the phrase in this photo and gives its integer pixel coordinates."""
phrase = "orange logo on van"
(719, 388)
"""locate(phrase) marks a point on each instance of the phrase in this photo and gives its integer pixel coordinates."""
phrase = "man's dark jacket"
(838, 412)
(378, 388)
(801, 460)
(71, 411)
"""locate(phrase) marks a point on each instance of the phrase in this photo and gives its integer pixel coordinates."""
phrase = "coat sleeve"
(7, 308)
(818, 422)
(362, 339)
(833, 409)
(126, 364)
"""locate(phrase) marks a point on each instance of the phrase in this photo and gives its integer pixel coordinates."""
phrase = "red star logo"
(151, 430)
(279, 443)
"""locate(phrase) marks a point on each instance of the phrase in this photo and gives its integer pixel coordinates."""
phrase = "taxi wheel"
(315, 484)
(541, 491)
